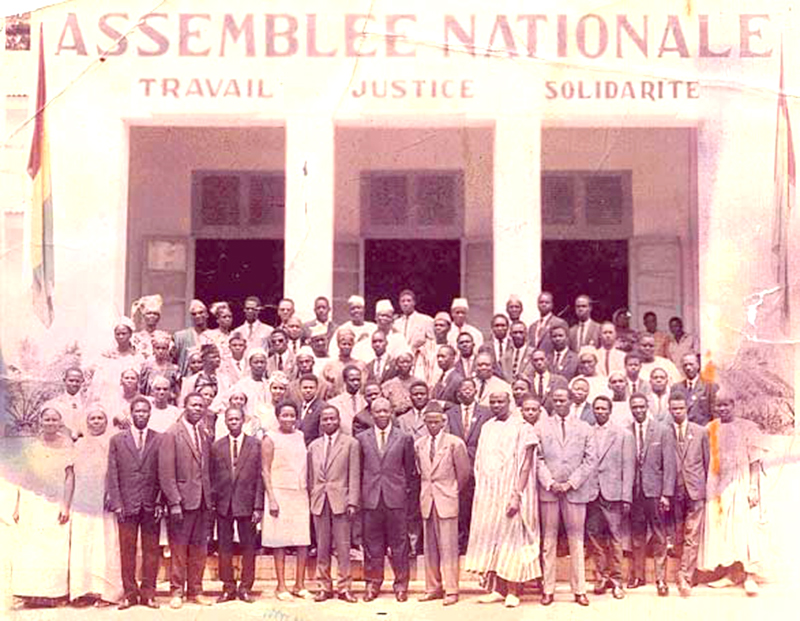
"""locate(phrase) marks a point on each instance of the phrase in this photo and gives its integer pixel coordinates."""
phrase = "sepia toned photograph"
(398, 309)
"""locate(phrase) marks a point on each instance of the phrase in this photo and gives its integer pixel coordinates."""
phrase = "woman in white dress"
(41, 513)
(94, 562)
(287, 521)
(277, 385)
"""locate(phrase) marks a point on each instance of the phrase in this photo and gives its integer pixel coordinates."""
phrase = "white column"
(308, 242)
(516, 213)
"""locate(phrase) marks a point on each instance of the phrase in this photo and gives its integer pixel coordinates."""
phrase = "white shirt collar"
(378, 431)
(332, 437)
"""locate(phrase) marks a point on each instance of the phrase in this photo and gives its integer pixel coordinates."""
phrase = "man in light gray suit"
(688, 503)
(653, 485)
(612, 491)
(334, 489)
(444, 468)
(567, 461)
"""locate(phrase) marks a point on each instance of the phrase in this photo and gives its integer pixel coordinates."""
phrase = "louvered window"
(237, 200)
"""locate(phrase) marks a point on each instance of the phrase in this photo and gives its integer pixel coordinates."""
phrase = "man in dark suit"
(387, 473)
(381, 367)
(310, 407)
(465, 421)
(539, 331)
(567, 461)
(585, 333)
(446, 386)
(185, 480)
(543, 381)
(134, 495)
(363, 419)
(500, 342)
(562, 361)
(334, 489)
(699, 393)
(280, 358)
(517, 359)
(688, 503)
(465, 343)
(653, 485)
(188, 338)
(612, 493)
(238, 495)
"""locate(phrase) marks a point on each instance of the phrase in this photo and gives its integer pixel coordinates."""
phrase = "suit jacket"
(493, 384)
(544, 342)
(455, 424)
(524, 364)
(692, 460)
(657, 470)
(552, 381)
(567, 367)
(413, 425)
(591, 335)
(132, 477)
(339, 480)
(573, 459)
(389, 475)
(616, 463)
(388, 370)
(700, 400)
(309, 424)
(237, 491)
(442, 478)
(184, 340)
(362, 421)
(459, 367)
(446, 391)
(289, 365)
(183, 472)
(260, 334)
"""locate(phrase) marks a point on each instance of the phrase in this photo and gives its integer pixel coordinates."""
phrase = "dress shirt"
(386, 433)
(466, 416)
(236, 447)
(141, 437)
(194, 433)
(680, 430)
(330, 440)
(639, 441)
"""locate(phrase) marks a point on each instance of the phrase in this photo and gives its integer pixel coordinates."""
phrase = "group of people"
(413, 435)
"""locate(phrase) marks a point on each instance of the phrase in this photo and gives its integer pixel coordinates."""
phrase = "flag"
(42, 205)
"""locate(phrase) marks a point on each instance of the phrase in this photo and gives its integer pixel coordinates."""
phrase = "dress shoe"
(226, 597)
(176, 602)
(200, 600)
(401, 596)
(429, 597)
(150, 602)
(246, 596)
(751, 587)
(581, 599)
(370, 594)
(635, 583)
(449, 600)
(347, 596)
(323, 596)
(663, 589)
(600, 587)
(126, 603)
(547, 599)
(512, 601)
(617, 592)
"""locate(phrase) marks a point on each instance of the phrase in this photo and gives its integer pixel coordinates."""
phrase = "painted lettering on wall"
(652, 90)
(283, 35)
(206, 88)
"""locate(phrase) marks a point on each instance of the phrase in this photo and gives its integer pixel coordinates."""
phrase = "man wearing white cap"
(362, 330)
(146, 313)
(413, 325)
(190, 337)
(458, 311)
(395, 343)
(318, 341)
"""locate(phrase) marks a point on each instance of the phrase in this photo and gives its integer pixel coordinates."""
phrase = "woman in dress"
(287, 521)
(160, 365)
(277, 385)
(220, 335)
(145, 313)
(94, 562)
(40, 563)
(105, 373)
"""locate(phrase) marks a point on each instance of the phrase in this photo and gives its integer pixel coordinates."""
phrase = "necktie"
(500, 349)
(483, 387)
(580, 335)
(197, 439)
(541, 386)
(383, 440)
(608, 361)
(515, 365)
(378, 367)
(563, 430)
(235, 451)
(641, 442)
(433, 448)
(294, 346)
(681, 436)
(280, 362)
(355, 407)
(467, 420)
(559, 355)
(141, 441)
(328, 447)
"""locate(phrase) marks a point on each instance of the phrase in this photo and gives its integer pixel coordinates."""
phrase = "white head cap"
(460, 303)
(384, 306)
(355, 300)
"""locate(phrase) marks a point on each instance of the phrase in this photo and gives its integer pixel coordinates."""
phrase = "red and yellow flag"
(42, 204)
(785, 183)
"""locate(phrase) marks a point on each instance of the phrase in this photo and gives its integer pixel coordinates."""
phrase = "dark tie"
(500, 349)
(378, 367)
(563, 430)
(466, 420)
(515, 365)
(280, 362)
(328, 447)
(483, 387)
(433, 447)
(235, 451)
(640, 435)
(141, 441)
(541, 386)
(197, 439)
(580, 335)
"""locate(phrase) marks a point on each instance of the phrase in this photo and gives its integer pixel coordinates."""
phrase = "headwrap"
(147, 303)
